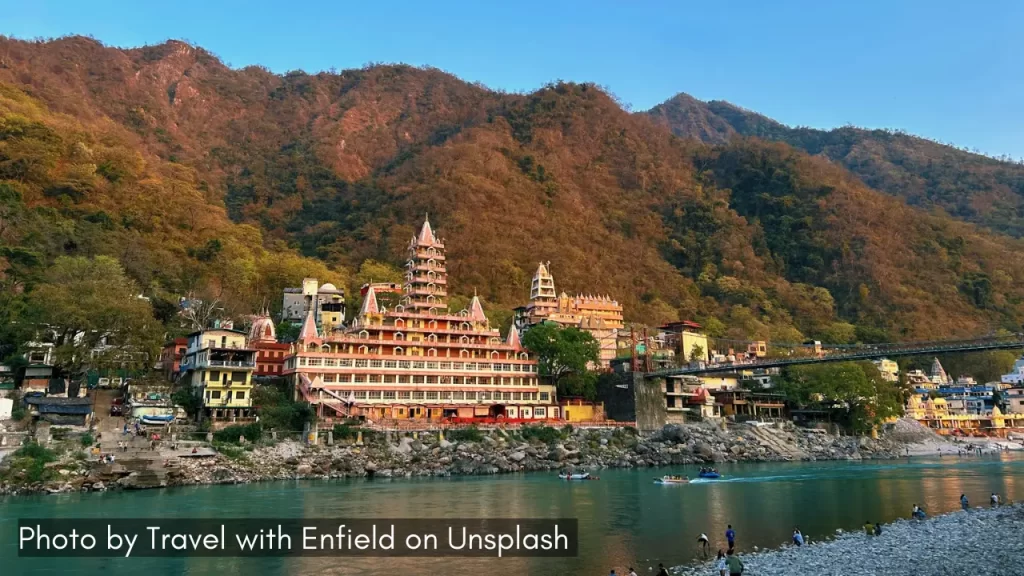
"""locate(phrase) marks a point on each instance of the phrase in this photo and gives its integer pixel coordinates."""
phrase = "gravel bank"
(979, 542)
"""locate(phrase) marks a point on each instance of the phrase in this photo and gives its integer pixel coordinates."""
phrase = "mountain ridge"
(752, 238)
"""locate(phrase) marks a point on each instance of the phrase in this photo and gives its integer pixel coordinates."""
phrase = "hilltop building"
(601, 316)
(418, 360)
(219, 365)
(889, 369)
(687, 339)
(938, 375)
(270, 353)
(327, 303)
(170, 357)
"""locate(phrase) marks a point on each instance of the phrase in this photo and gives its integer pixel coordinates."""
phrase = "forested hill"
(968, 186)
(751, 238)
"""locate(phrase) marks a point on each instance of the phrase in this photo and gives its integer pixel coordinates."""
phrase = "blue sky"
(950, 71)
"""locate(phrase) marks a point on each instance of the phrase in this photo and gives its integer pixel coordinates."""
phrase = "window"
(238, 376)
(360, 394)
(540, 412)
(328, 377)
(215, 395)
(417, 395)
(431, 395)
(239, 395)
(373, 395)
(389, 394)
(543, 396)
(214, 376)
(404, 394)
(470, 395)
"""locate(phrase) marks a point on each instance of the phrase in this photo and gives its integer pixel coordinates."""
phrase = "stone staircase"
(769, 438)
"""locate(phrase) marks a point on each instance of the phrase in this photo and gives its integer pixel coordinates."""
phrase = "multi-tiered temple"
(599, 315)
(418, 360)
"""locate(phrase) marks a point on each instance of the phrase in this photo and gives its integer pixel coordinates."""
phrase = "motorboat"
(672, 480)
(582, 476)
(709, 474)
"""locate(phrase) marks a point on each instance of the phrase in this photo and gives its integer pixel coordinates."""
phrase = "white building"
(326, 301)
(1016, 375)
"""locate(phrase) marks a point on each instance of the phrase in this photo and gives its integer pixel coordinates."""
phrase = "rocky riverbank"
(978, 542)
(493, 452)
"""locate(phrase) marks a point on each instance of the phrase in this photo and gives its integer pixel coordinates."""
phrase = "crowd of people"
(728, 562)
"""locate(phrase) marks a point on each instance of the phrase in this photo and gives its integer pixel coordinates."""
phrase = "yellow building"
(576, 410)
(889, 369)
(218, 366)
(601, 316)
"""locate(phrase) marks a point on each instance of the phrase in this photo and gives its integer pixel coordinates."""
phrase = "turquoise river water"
(625, 519)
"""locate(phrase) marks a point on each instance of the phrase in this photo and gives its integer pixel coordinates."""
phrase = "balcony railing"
(232, 363)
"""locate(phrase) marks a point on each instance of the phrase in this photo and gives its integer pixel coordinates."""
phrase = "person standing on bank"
(730, 536)
(963, 501)
(733, 562)
(720, 564)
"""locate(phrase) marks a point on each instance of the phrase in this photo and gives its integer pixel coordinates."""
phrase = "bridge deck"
(868, 353)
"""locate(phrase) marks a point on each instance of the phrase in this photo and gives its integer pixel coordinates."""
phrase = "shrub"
(87, 439)
(229, 435)
(345, 431)
(35, 451)
(541, 434)
(471, 434)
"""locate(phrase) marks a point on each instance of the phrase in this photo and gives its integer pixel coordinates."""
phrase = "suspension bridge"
(850, 353)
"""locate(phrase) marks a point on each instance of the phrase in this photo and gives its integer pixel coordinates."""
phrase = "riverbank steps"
(489, 452)
(977, 542)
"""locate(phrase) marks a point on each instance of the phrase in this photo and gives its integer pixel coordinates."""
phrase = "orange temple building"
(599, 315)
(418, 360)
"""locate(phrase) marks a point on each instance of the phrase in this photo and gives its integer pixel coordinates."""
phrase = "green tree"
(86, 302)
(188, 400)
(696, 353)
(565, 356)
(867, 397)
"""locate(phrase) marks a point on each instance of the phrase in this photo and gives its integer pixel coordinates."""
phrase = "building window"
(431, 395)
(239, 395)
(214, 376)
(417, 395)
(544, 396)
(389, 394)
(215, 394)
(540, 412)
(404, 394)
(238, 376)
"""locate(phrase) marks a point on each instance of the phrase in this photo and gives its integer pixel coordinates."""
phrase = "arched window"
(495, 340)
(524, 356)
(325, 349)
(400, 322)
(364, 349)
(494, 355)
(431, 337)
(463, 353)
(311, 347)
(432, 324)
(432, 352)
(399, 336)
(465, 326)
(430, 298)
(463, 339)
(432, 311)
(364, 334)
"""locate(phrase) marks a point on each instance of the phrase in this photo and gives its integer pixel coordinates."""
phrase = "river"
(625, 519)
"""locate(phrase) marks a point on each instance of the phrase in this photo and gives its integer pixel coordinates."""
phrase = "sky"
(945, 70)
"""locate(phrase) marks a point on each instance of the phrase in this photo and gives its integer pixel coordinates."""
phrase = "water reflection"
(625, 519)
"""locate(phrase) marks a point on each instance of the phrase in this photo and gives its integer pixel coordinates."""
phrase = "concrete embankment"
(978, 542)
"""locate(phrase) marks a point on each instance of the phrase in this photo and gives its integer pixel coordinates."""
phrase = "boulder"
(517, 456)
(304, 470)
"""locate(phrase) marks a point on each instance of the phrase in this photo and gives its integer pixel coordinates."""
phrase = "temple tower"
(426, 278)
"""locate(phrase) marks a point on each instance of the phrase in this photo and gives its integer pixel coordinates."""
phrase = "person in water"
(869, 528)
(703, 544)
(798, 538)
(730, 535)
(963, 501)
(631, 571)
(994, 499)
(878, 529)
(662, 571)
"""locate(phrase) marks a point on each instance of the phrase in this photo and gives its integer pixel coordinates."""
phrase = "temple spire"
(370, 303)
(426, 237)
(476, 310)
(309, 331)
(513, 338)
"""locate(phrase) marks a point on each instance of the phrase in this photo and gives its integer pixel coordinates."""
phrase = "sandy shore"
(979, 542)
